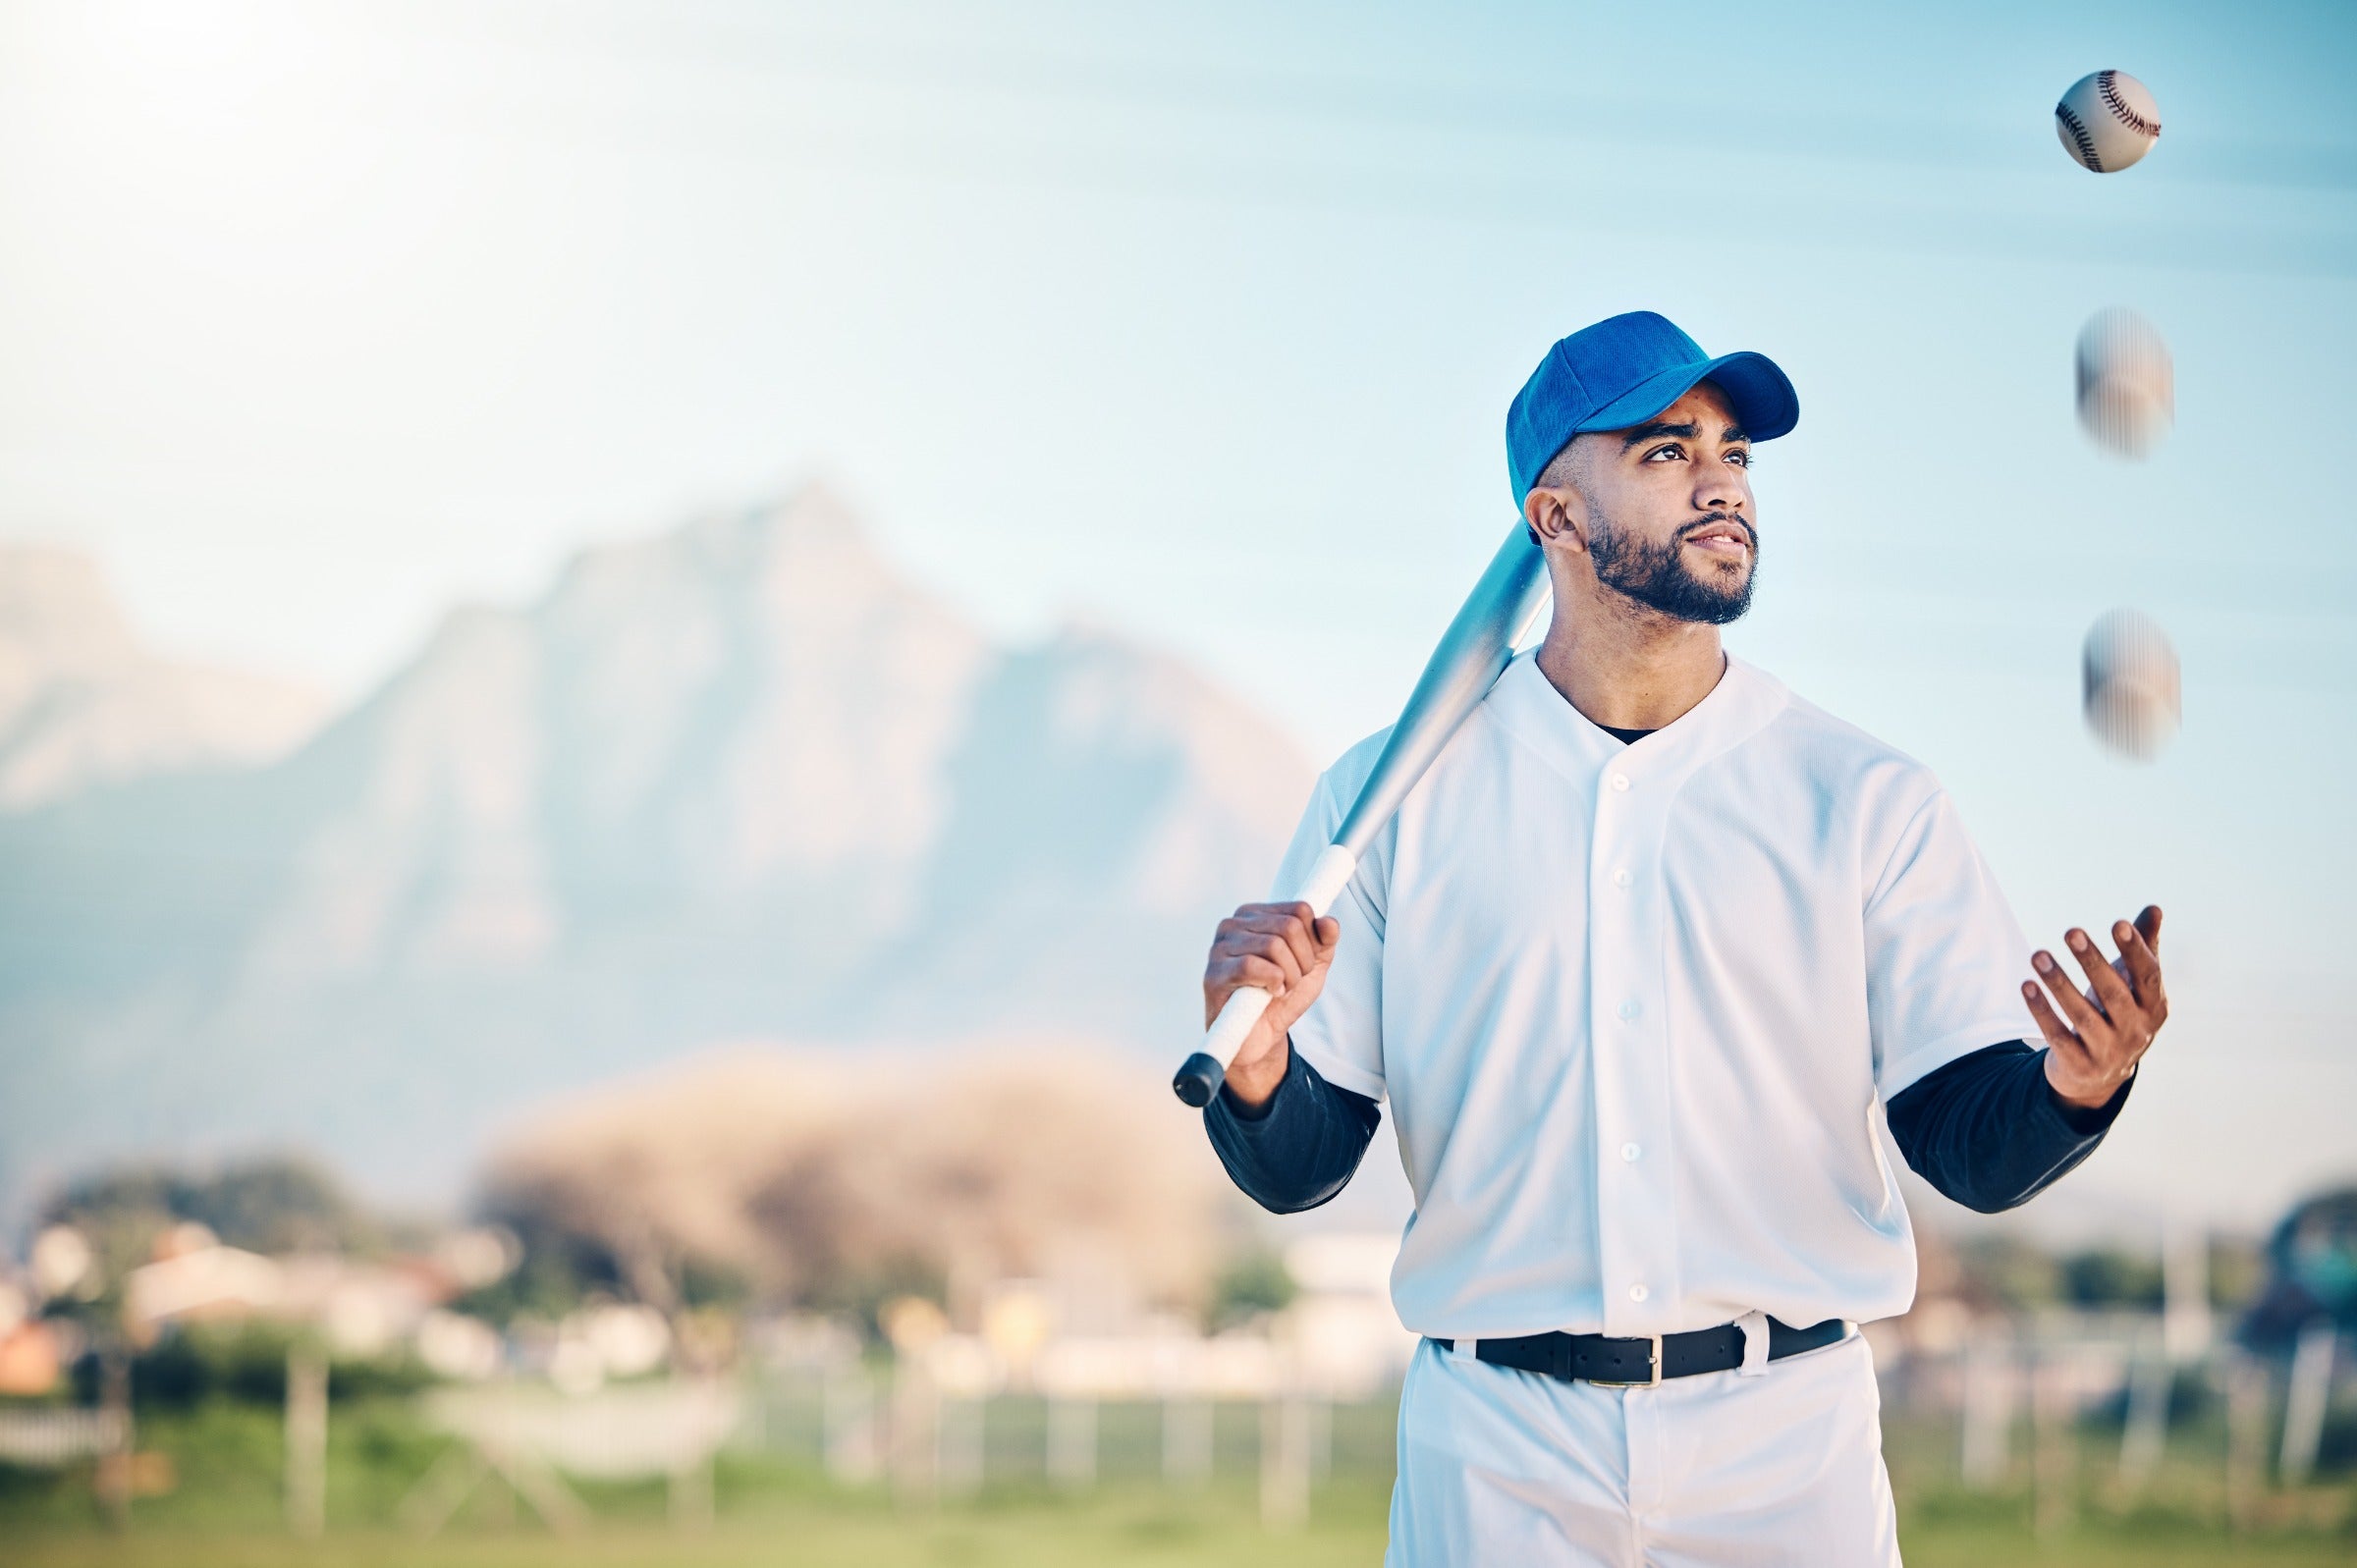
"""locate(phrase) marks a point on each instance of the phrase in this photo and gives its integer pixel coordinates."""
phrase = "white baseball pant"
(1780, 1465)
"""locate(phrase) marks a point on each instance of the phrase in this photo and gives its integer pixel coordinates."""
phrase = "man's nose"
(1726, 489)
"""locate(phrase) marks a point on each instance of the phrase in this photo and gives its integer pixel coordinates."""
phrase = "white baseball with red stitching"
(2108, 121)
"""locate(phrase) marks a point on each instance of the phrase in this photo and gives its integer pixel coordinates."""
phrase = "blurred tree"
(2106, 1277)
(832, 1183)
(706, 1284)
(2238, 1270)
(1252, 1284)
(243, 1364)
(861, 1294)
(2005, 1273)
(561, 1268)
(2310, 1272)
(276, 1205)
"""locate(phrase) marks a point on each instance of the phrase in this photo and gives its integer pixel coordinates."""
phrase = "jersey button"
(1621, 878)
(1638, 1292)
(1629, 1153)
(1620, 781)
(1629, 1010)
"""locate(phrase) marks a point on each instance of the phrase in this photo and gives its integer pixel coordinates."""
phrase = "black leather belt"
(1643, 1363)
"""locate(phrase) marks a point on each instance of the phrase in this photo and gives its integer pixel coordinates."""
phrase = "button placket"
(1637, 1240)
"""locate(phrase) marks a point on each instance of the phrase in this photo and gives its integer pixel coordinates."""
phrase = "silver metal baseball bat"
(1472, 653)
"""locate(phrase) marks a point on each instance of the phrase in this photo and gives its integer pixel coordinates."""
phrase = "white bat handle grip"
(1200, 1079)
(1234, 1026)
(1329, 875)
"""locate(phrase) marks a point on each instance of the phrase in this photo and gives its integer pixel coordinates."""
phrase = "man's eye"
(1672, 449)
(1740, 459)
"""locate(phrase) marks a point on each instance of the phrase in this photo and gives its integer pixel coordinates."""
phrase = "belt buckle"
(1655, 1381)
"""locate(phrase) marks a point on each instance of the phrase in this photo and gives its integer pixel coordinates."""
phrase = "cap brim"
(1760, 393)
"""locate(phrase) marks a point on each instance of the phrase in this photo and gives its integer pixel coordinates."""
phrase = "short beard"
(1657, 577)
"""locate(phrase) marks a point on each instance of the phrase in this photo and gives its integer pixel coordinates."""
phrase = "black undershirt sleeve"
(1989, 1132)
(1300, 1147)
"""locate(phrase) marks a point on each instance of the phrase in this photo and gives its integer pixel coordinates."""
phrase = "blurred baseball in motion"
(2127, 384)
(2132, 693)
(2108, 121)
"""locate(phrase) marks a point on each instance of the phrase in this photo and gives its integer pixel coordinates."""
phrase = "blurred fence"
(529, 1436)
(894, 1426)
(52, 1439)
(2065, 1413)
(2074, 1406)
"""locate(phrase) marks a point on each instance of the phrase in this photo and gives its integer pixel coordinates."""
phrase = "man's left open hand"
(2110, 1025)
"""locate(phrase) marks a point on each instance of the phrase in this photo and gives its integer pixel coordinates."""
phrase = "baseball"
(2108, 121)
(2133, 698)
(2127, 384)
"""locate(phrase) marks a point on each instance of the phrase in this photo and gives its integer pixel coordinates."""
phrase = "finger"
(1273, 948)
(1301, 931)
(2142, 966)
(1300, 925)
(1245, 967)
(1249, 930)
(2148, 926)
(1250, 969)
(1268, 914)
(2111, 992)
(2081, 1013)
(2058, 1036)
(1328, 932)
(1255, 932)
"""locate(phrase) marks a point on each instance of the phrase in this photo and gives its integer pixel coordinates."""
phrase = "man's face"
(1669, 510)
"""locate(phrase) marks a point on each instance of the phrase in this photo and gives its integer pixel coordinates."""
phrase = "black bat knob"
(1200, 1079)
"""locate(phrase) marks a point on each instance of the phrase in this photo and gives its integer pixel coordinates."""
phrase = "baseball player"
(1643, 964)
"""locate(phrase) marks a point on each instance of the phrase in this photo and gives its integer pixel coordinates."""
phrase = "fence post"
(1073, 1439)
(2246, 1436)
(2144, 1437)
(964, 1430)
(1283, 1461)
(691, 1495)
(2186, 1322)
(916, 1431)
(1186, 1440)
(307, 1440)
(1987, 1406)
(848, 1424)
(2305, 1400)
(114, 1465)
(2055, 1466)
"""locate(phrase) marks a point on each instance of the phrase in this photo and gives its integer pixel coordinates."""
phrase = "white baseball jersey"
(1636, 1007)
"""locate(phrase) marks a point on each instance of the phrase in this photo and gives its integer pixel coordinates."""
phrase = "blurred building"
(362, 1308)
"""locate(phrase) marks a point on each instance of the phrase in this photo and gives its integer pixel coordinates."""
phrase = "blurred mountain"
(83, 704)
(737, 782)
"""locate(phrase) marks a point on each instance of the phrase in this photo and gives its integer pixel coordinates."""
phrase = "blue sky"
(1200, 321)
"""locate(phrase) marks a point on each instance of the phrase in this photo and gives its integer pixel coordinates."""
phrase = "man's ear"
(1557, 516)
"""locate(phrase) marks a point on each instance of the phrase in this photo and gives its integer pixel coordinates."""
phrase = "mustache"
(1751, 535)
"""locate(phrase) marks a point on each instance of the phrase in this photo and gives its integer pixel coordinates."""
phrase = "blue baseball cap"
(1621, 372)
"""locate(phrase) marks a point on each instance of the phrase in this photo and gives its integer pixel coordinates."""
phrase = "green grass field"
(772, 1509)
(1115, 1528)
